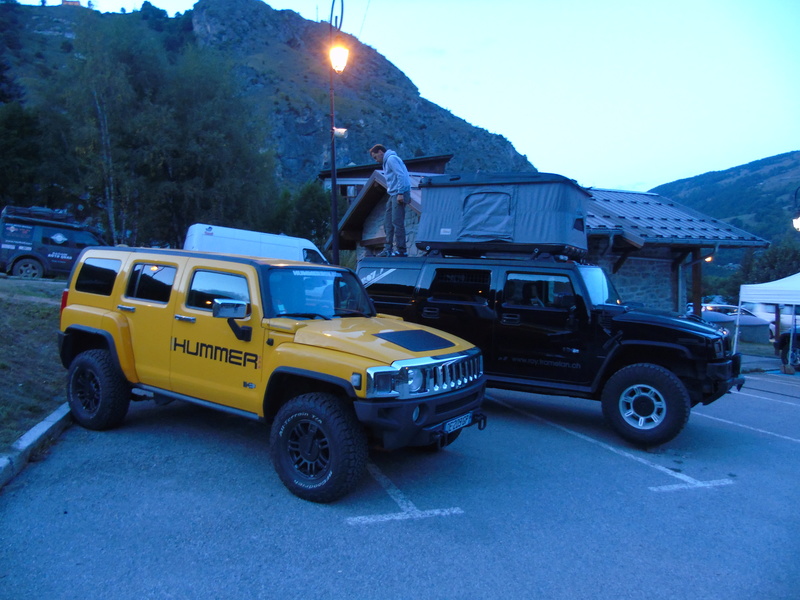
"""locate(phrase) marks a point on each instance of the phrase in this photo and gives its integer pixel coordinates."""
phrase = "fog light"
(415, 414)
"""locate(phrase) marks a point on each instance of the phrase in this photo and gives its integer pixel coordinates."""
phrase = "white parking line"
(795, 404)
(777, 435)
(407, 508)
(688, 482)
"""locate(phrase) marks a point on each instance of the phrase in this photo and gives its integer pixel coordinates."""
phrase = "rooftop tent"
(521, 212)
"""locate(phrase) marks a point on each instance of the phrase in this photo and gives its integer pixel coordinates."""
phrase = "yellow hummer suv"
(296, 345)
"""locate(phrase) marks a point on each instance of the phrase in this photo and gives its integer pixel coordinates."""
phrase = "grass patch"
(754, 349)
(32, 375)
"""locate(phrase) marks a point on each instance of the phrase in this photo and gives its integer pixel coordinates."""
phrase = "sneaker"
(400, 254)
(385, 253)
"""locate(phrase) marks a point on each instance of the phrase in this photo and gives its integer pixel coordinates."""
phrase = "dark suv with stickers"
(296, 345)
(552, 325)
(42, 242)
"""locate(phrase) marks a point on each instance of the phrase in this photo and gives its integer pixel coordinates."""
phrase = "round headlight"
(416, 380)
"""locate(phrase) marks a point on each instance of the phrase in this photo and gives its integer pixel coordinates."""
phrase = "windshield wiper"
(302, 315)
(350, 311)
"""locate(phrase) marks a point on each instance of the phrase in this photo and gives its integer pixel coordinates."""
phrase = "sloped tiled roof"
(644, 218)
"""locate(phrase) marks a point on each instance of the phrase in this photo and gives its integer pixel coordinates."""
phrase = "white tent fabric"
(781, 291)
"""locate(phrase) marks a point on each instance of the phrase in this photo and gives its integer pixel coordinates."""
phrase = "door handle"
(126, 308)
(184, 318)
(510, 319)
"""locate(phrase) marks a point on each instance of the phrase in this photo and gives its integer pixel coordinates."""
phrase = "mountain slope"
(281, 62)
(757, 197)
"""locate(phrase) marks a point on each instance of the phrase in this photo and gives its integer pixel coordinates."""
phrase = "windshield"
(601, 290)
(315, 294)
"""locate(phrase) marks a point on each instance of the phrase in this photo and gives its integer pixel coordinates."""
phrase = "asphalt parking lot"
(182, 502)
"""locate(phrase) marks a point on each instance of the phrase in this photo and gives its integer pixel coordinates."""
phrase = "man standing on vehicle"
(398, 186)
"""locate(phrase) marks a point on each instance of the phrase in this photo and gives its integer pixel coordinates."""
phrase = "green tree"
(313, 213)
(152, 142)
(206, 164)
(777, 262)
(111, 85)
(19, 154)
(10, 90)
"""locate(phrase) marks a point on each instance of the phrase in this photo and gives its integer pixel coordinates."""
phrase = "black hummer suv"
(552, 325)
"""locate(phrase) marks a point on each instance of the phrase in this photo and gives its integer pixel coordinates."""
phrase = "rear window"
(97, 276)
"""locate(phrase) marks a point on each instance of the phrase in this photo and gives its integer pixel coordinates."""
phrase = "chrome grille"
(455, 373)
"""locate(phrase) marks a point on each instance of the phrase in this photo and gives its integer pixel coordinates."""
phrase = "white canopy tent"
(781, 291)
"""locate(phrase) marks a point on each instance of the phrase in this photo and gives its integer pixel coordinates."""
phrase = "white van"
(226, 240)
(767, 312)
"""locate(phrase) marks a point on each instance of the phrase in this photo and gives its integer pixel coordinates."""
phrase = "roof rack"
(503, 250)
(37, 214)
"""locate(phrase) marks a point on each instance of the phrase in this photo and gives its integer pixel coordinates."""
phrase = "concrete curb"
(36, 438)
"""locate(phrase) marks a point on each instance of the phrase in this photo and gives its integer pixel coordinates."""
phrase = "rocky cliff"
(283, 64)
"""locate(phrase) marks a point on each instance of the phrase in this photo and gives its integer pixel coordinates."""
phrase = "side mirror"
(229, 309)
(232, 310)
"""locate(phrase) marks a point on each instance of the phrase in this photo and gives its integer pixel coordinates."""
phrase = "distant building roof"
(644, 218)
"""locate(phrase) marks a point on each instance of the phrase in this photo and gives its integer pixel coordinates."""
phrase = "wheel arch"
(77, 339)
(287, 382)
(671, 357)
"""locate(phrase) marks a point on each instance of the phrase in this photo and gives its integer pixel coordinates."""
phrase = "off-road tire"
(646, 404)
(98, 394)
(318, 447)
(28, 267)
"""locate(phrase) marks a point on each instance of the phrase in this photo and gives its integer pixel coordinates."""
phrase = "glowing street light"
(339, 54)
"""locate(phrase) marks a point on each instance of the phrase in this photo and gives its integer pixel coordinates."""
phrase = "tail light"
(64, 296)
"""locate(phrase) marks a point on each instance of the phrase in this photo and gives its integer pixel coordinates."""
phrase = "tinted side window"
(17, 233)
(151, 282)
(55, 237)
(208, 285)
(84, 238)
(390, 283)
(312, 256)
(97, 276)
(538, 290)
(461, 285)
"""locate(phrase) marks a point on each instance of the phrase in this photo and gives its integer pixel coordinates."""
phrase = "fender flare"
(337, 382)
(67, 349)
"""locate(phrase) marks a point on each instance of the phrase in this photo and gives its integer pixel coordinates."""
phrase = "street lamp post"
(338, 56)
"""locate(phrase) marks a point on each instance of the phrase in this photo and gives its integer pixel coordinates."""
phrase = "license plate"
(458, 423)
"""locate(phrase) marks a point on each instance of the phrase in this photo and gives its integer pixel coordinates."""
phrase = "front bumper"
(722, 377)
(394, 424)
